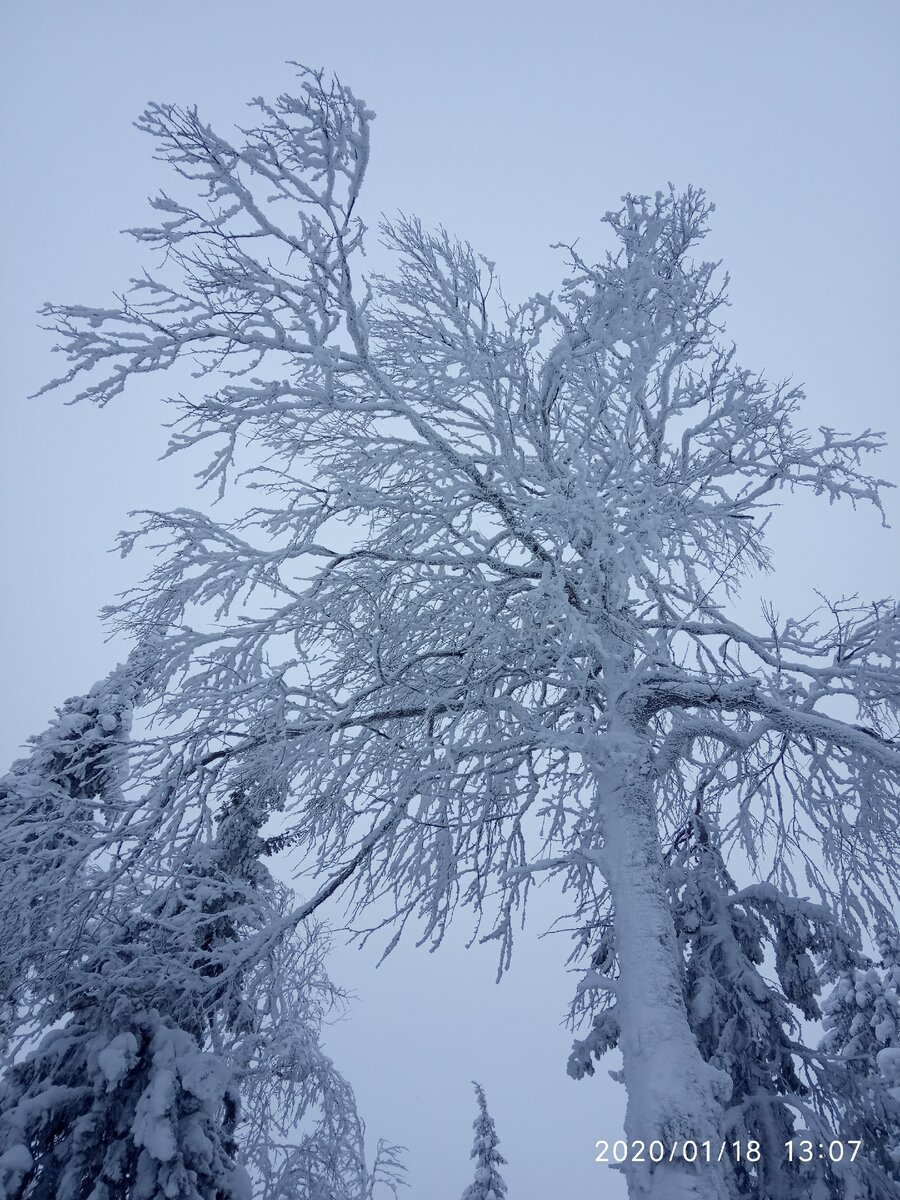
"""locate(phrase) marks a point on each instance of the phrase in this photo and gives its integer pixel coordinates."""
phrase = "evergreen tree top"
(488, 1183)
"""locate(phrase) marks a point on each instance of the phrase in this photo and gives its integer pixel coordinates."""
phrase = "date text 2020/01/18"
(749, 1151)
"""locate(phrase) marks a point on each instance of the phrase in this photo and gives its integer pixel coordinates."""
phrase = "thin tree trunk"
(673, 1095)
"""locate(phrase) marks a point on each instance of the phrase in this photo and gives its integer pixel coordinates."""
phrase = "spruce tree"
(53, 804)
(488, 1183)
(862, 1057)
(188, 1064)
(755, 960)
(121, 1102)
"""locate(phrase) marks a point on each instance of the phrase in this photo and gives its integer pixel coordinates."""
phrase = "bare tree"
(477, 627)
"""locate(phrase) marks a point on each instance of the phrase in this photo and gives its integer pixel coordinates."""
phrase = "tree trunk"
(673, 1095)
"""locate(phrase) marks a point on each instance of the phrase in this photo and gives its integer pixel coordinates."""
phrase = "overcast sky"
(515, 125)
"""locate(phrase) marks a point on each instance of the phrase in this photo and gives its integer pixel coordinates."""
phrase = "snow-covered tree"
(298, 1128)
(752, 988)
(745, 1024)
(862, 1054)
(186, 1060)
(51, 803)
(119, 1103)
(477, 625)
(122, 1100)
(488, 1183)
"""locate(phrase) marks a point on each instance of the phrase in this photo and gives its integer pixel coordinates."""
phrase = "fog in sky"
(515, 125)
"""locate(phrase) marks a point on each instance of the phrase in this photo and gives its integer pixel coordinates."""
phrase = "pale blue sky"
(515, 125)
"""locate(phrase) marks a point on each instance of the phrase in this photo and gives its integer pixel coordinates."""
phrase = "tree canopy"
(476, 629)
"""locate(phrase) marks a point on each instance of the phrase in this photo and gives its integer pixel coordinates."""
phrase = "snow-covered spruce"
(118, 1104)
(188, 1063)
(862, 1055)
(298, 1131)
(751, 1027)
(488, 1183)
(477, 626)
(53, 804)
